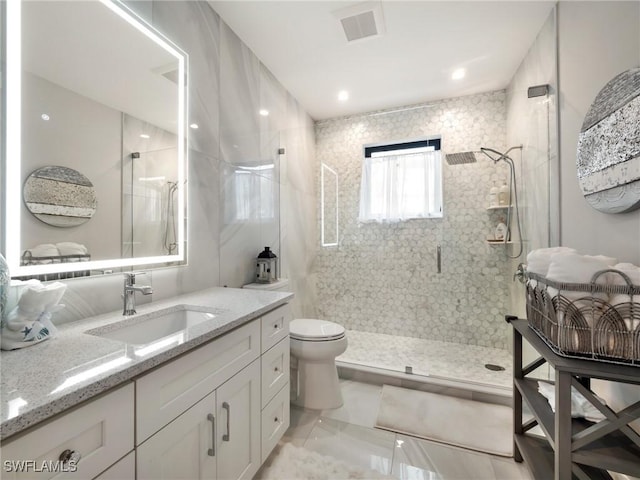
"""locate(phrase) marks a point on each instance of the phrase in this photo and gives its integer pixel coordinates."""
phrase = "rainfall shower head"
(460, 158)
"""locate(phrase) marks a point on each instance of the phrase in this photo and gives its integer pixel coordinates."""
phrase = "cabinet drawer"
(275, 369)
(165, 393)
(275, 421)
(275, 326)
(100, 431)
(124, 469)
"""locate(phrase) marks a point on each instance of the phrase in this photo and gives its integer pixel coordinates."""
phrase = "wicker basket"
(576, 320)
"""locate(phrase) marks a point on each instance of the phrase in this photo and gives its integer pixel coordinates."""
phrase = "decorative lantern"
(267, 266)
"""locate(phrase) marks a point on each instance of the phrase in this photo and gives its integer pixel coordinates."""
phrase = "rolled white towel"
(576, 268)
(633, 272)
(43, 250)
(538, 261)
(71, 248)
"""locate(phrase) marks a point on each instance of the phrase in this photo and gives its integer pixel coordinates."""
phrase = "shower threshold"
(451, 368)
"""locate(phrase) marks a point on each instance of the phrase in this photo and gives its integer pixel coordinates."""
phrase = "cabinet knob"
(275, 420)
(69, 456)
(276, 369)
(275, 325)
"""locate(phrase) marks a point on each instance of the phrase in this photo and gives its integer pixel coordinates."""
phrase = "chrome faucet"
(130, 289)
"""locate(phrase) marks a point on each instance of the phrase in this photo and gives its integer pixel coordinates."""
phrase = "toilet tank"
(281, 285)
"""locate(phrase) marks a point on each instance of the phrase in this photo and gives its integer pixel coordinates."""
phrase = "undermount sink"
(149, 327)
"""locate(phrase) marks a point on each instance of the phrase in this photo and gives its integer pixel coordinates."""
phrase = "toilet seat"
(314, 330)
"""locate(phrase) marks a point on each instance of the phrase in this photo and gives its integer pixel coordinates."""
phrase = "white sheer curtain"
(401, 184)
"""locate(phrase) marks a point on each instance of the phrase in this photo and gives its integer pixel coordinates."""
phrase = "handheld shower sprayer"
(496, 156)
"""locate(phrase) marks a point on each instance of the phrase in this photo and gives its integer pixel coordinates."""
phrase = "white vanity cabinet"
(203, 414)
(98, 434)
(123, 469)
(216, 412)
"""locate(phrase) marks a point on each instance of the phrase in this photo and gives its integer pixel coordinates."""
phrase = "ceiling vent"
(364, 20)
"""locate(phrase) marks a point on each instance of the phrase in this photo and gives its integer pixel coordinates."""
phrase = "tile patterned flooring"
(454, 361)
(347, 434)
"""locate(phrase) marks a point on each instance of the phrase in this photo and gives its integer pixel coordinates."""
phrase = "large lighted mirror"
(93, 89)
(329, 206)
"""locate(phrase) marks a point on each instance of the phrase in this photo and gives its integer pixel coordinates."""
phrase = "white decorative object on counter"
(30, 322)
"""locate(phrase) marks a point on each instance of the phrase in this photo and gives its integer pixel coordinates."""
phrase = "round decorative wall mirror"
(60, 196)
(608, 157)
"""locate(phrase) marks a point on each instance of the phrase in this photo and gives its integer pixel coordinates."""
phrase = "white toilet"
(315, 344)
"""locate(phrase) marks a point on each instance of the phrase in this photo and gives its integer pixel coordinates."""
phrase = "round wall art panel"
(608, 157)
(60, 196)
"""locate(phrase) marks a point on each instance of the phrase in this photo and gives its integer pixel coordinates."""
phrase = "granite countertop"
(41, 381)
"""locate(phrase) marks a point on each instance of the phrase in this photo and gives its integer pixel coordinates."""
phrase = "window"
(251, 194)
(401, 181)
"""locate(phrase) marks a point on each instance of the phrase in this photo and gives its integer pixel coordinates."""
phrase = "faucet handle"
(130, 277)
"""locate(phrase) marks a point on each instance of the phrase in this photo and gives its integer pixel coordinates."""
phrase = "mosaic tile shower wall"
(383, 277)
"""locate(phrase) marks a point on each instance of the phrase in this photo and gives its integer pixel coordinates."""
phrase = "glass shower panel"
(150, 204)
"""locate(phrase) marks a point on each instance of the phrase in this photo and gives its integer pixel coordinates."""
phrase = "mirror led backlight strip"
(13, 149)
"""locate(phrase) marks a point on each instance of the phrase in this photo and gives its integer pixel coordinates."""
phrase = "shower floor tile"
(435, 359)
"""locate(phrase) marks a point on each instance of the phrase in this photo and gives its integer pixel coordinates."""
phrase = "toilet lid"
(314, 329)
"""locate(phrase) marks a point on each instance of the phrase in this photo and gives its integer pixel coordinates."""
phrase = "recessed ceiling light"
(264, 113)
(458, 74)
(144, 135)
(45, 117)
(343, 95)
(194, 126)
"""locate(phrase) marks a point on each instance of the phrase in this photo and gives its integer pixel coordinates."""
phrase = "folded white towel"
(30, 321)
(538, 261)
(44, 250)
(633, 272)
(580, 406)
(575, 268)
(611, 261)
(71, 248)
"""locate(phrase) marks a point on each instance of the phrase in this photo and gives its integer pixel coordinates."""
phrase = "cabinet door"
(125, 469)
(184, 448)
(238, 417)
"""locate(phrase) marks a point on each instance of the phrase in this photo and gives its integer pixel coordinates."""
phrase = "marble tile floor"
(347, 434)
(451, 361)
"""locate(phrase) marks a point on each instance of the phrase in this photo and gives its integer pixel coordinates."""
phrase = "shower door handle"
(439, 258)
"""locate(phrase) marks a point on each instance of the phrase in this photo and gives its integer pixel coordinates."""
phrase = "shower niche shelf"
(499, 207)
(498, 242)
